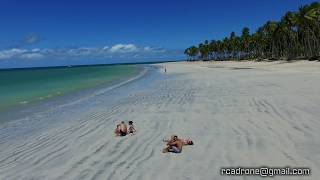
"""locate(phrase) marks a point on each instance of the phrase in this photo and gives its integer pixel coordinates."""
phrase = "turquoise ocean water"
(20, 87)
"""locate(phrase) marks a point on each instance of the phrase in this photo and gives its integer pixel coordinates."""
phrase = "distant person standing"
(165, 69)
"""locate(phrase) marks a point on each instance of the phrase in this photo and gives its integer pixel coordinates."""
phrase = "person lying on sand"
(169, 140)
(173, 145)
(132, 130)
(185, 142)
(121, 129)
(117, 130)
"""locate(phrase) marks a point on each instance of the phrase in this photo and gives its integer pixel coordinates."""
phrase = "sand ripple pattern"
(233, 119)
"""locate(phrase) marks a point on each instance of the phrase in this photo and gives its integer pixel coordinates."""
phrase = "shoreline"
(67, 110)
(88, 65)
(20, 111)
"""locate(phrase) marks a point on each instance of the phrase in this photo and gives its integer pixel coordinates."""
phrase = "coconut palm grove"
(295, 36)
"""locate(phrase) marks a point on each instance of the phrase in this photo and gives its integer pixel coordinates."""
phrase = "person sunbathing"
(121, 129)
(132, 130)
(117, 130)
(169, 140)
(185, 142)
(174, 145)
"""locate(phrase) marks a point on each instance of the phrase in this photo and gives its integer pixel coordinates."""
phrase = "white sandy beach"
(248, 114)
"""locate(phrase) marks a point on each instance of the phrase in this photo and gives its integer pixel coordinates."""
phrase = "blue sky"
(44, 33)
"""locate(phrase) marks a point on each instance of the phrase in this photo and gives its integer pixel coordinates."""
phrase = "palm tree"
(245, 40)
(233, 44)
(192, 52)
(188, 53)
(307, 21)
(289, 21)
(213, 48)
(297, 34)
(312, 17)
(204, 50)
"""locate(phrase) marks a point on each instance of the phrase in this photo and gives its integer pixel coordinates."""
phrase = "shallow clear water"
(20, 87)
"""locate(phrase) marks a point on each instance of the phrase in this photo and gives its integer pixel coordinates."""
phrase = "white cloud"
(115, 51)
(147, 48)
(123, 48)
(35, 50)
(4, 56)
(17, 51)
(83, 51)
(11, 53)
(32, 56)
(47, 51)
(21, 53)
